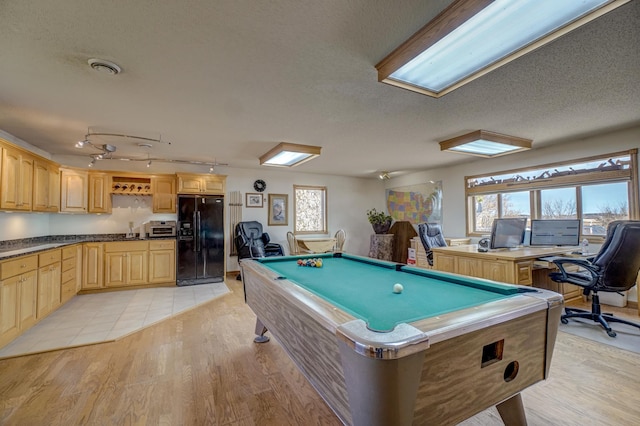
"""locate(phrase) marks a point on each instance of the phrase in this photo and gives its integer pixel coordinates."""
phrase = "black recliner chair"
(614, 269)
(431, 236)
(252, 242)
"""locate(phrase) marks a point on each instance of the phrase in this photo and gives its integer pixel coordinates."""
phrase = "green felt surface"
(365, 289)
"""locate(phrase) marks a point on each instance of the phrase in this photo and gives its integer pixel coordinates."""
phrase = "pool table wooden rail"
(305, 330)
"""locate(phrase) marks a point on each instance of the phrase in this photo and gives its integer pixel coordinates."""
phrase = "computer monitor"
(555, 232)
(508, 232)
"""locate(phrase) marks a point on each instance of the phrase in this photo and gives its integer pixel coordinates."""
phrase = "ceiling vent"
(104, 66)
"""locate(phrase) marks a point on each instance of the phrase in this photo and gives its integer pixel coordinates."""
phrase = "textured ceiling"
(228, 80)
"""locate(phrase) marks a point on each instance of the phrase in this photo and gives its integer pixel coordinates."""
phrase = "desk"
(421, 254)
(509, 266)
(427, 365)
(316, 244)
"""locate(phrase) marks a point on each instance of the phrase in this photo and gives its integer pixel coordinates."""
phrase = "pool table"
(443, 349)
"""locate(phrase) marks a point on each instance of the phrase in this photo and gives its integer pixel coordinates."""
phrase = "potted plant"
(380, 221)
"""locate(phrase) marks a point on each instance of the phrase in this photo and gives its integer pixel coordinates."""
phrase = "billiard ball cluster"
(314, 263)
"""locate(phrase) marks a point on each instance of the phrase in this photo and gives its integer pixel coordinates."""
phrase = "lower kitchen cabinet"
(92, 266)
(33, 286)
(18, 296)
(49, 280)
(71, 257)
(125, 263)
(162, 261)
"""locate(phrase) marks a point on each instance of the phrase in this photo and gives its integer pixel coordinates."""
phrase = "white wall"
(15, 226)
(126, 208)
(348, 200)
(453, 194)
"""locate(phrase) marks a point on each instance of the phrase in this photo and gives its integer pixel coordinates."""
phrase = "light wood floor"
(202, 367)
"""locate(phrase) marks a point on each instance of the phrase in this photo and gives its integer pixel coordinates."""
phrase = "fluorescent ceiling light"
(485, 144)
(289, 155)
(473, 37)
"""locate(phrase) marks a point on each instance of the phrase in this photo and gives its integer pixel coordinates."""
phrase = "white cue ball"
(397, 288)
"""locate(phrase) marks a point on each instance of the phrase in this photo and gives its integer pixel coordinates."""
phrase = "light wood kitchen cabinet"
(49, 281)
(164, 194)
(46, 186)
(74, 191)
(71, 256)
(126, 263)
(201, 184)
(92, 266)
(17, 180)
(162, 261)
(99, 193)
(18, 288)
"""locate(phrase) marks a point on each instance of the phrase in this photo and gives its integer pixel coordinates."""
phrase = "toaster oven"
(160, 228)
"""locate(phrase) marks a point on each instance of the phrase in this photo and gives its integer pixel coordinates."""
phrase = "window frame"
(576, 181)
(324, 214)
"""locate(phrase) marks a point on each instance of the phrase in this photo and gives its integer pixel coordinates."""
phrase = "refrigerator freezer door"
(210, 238)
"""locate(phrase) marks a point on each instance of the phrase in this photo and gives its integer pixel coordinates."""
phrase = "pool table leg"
(512, 411)
(260, 330)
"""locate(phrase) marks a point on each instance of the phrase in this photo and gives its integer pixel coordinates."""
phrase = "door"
(210, 210)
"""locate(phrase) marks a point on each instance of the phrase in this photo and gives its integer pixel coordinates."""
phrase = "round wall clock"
(259, 185)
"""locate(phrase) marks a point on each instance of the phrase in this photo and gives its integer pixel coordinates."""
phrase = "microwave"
(160, 228)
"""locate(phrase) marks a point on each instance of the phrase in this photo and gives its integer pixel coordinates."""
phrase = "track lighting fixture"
(105, 151)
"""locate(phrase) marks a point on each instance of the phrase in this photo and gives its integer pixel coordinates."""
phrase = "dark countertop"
(16, 248)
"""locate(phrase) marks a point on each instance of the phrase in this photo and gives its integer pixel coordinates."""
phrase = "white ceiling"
(228, 80)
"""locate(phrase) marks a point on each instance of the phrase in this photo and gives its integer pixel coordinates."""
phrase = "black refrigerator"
(200, 254)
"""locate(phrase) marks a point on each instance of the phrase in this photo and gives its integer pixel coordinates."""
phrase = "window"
(602, 204)
(596, 190)
(558, 203)
(310, 209)
(492, 206)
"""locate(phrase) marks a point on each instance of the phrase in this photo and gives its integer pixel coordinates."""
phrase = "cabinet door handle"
(24, 265)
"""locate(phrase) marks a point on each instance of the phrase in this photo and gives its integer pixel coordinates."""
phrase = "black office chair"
(614, 269)
(431, 236)
(252, 242)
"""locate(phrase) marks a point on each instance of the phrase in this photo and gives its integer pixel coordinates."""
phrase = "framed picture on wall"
(278, 206)
(253, 199)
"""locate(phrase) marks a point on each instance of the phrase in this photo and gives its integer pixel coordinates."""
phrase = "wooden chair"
(293, 244)
(340, 236)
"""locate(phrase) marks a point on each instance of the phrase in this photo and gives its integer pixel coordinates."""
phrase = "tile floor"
(100, 317)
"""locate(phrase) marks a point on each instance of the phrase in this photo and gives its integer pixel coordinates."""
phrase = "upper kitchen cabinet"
(74, 190)
(201, 184)
(164, 194)
(46, 186)
(99, 192)
(17, 180)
